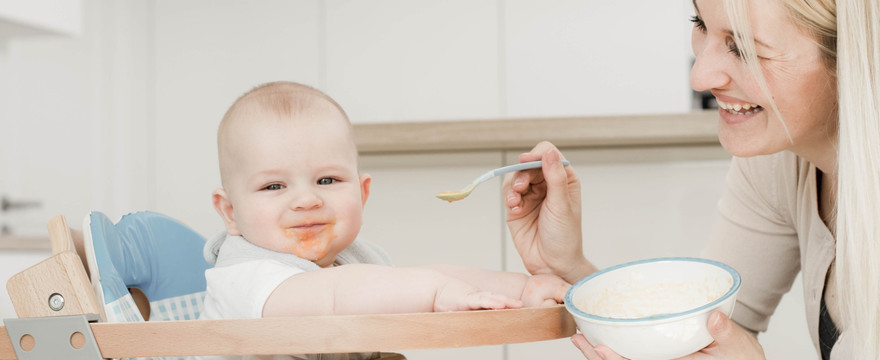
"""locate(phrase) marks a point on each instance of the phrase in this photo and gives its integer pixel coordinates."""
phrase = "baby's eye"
(273, 187)
(326, 181)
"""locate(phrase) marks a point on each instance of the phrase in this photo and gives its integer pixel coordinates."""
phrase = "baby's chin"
(323, 257)
(326, 259)
(325, 262)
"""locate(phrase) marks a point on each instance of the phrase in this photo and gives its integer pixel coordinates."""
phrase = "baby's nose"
(305, 200)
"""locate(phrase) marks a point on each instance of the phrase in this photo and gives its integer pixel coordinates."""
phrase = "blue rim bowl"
(734, 287)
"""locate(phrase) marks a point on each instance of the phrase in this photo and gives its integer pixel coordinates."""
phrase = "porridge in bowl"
(636, 298)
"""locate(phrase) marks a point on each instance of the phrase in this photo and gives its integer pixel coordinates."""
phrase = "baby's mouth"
(304, 232)
(741, 108)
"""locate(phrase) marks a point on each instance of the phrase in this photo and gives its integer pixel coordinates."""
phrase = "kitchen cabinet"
(19, 18)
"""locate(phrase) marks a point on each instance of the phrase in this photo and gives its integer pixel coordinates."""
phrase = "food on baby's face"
(637, 297)
(309, 241)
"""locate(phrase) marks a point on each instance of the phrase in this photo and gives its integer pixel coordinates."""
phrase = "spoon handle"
(512, 168)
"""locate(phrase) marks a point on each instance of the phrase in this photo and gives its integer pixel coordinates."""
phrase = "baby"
(292, 202)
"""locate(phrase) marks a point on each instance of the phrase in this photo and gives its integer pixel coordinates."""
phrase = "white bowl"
(659, 336)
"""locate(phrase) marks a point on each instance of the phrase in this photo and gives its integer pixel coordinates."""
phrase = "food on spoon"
(450, 196)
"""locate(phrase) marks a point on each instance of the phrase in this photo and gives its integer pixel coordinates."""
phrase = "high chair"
(62, 315)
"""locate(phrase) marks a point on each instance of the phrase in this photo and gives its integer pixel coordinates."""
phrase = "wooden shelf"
(10, 242)
(698, 128)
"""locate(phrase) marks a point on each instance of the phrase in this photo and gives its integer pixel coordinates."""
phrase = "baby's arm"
(536, 290)
(376, 289)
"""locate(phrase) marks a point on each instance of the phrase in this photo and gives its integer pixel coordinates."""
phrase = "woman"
(798, 83)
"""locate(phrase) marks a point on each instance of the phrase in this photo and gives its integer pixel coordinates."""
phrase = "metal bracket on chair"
(54, 337)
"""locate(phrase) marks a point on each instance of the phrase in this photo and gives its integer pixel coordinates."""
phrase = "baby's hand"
(544, 290)
(457, 295)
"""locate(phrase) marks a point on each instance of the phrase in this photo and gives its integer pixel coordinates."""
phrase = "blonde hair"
(858, 190)
(848, 33)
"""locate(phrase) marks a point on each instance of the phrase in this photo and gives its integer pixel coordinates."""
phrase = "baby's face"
(295, 187)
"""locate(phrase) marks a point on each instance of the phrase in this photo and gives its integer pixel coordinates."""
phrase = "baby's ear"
(365, 180)
(224, 208)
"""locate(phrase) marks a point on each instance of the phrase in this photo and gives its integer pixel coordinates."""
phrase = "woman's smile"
(737, 113)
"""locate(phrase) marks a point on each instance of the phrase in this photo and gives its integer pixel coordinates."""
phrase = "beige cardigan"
(769, 229)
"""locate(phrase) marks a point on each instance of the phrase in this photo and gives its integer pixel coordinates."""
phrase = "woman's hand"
(544, 215)
(731, 343)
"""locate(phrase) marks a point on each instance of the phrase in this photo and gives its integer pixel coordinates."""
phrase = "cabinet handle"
(9, 205)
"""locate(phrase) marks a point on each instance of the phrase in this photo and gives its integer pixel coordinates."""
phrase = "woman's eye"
(733, 49)
(698, 23)
(273, 187)
(326, 181)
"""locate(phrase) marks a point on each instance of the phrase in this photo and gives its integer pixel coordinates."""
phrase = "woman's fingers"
(600, 352)
(585, 347)
(537, 152)
(607, 354)
(555, 177)
(513, 199)
(523, 179)
(520, 180)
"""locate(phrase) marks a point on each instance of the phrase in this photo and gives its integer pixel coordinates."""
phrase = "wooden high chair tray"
(309, 334)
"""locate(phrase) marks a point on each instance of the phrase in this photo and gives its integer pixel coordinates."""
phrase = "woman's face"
(801, 85)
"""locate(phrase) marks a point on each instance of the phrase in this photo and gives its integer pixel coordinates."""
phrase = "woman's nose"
(708, 71)
(306, 199)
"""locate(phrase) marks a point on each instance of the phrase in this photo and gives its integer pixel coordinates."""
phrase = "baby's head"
(288, 165)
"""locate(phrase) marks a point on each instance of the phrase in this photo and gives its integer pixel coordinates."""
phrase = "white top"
(245, 275)
(239, 291)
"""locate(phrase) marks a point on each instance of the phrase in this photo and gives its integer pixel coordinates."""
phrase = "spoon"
(463, 193)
